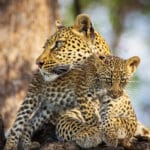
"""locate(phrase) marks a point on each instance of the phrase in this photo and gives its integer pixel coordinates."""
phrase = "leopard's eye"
(58, 44)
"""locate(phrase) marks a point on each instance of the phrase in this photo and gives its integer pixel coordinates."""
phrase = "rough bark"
(24, 27)
(2, 136)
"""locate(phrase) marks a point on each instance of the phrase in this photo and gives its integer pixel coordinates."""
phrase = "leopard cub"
(118, 119)
(107, 76)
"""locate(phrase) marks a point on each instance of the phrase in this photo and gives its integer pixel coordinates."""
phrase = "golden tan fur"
(102, 76)
(63, 83)
(63, 51)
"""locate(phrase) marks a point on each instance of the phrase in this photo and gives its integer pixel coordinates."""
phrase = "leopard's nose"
(39, 63)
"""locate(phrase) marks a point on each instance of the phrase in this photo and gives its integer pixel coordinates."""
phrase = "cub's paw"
(111, 142)
(110, 139)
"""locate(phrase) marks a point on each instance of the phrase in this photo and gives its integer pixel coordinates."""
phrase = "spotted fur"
(107, 71)
(63, 51)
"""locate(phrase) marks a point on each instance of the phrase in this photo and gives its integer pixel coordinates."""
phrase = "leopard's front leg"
(41, 116)
(26, 109)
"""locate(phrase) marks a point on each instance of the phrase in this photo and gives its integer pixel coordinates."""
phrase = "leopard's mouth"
(60, 70)
(48, 76)
(55, 72)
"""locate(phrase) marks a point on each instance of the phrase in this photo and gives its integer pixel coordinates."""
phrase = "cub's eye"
(124, 79)
(105, 79)
(58, 44)
(102, 79)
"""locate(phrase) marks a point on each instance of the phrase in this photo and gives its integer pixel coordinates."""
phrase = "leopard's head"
(114, 73)
(70, 46)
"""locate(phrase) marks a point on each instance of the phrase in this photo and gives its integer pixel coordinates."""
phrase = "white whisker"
(134, 81)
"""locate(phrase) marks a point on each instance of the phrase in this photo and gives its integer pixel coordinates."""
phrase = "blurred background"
(25, 25)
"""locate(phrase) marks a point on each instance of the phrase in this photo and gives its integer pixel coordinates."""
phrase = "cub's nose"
(115, 94)
(39, 63)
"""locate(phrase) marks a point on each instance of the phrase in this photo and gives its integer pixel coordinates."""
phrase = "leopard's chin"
(48, 77)
(55, 72)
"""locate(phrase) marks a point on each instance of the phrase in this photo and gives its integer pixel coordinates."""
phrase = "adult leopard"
(64, 50)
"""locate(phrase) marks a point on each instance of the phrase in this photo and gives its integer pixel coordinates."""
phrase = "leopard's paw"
(35, 145)
(24, 144)
(28, 145)
(88, 138)
(10, 145)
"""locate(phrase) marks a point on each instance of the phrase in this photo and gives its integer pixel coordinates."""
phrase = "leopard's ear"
(84, 26)
(132, 64)
(59, 24)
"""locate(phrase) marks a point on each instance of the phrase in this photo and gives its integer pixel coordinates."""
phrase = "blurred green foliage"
(117, 9)
(135, 35)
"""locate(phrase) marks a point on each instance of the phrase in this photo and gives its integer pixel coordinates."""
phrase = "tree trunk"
(24, 27)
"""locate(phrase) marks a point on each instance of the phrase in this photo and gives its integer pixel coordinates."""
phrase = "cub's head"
(70, 46)
(114, 73)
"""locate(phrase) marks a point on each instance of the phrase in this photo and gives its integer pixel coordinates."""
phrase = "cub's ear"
(99, 60)
(132, 64)
(59, 24)
(84, 26)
